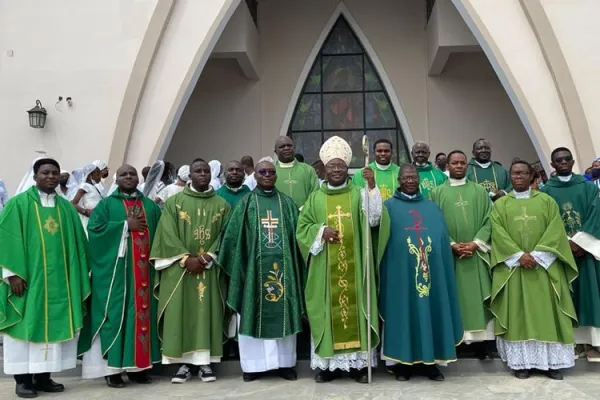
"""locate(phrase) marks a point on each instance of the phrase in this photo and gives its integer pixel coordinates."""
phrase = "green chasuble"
(232, 196)
(531, 304)
(190, 306)
(466, 209)
(493, 178)
(430, 177)
(298, 181)
(45, 246)
(417, 299)
(336, 300)
(385, 179)
(123, 309)
(260, 254)
(579, 207)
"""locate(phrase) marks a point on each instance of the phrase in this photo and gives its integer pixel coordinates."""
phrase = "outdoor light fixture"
(37, 115)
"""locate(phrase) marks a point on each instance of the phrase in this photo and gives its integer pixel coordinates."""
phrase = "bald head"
(234, 174)
(284, 148)
(127, 179)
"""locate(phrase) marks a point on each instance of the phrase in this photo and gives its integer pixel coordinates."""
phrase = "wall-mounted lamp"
(37, 115)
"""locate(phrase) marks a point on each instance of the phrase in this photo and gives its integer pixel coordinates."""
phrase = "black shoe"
(391, 369)
(25, 391)
(139, 377)
(325, 375)
(434, 373)
(481, 351)
(289, 374)
(523, 373)
(48, 386)
(250, 376)
(554, 374)
(114, 381)
(402, 373)
(362, 376)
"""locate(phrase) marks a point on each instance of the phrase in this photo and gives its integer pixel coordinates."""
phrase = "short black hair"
(247, 161)
(145, 172)
(299, 157)
(197, 160)
(479, 140)
(454, 152)
(558, 149)
(44, 161)
(383, 141)
(519, 161)
(440, 154)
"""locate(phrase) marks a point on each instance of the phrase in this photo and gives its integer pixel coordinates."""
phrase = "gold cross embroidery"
(290, 182)
(524, 218)
(270, 224)
(51, 226)
(338, 217)
(462, 204)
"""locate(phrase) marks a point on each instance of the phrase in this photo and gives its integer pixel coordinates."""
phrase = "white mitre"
(335, 147)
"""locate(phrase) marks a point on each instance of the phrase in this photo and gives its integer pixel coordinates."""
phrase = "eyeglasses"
(266, 172)
(565, 158)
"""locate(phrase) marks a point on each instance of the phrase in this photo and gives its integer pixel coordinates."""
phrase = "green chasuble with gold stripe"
(46, 247)
(297, 181)
(335, 292)
(531, 304)
(190, 306)
(261, 257)
(430, 177)
(493, 178)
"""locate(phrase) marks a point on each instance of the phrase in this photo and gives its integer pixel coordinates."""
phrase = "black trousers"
(28, 378)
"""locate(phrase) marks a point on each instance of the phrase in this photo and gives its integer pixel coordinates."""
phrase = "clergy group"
(423, 259)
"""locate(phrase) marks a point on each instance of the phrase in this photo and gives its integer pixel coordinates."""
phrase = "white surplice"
(35, 358)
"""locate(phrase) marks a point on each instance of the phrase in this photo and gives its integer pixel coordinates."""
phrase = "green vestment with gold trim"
(467, 209)
(385, 179)
(190, 306)
(298, 181)
(418, 300)
(430, 177)
(493, 178)
(261, 257)
(336, 300)
(531, 304)
(46, 247)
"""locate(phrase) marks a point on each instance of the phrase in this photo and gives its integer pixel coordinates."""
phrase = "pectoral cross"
(462, 204)
(290, 182)
(338, 217)
(270, 224)
(524, 218)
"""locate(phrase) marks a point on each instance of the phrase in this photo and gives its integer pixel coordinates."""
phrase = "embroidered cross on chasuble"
(525, 229)
(421, 252)
(140, 253)
(342, 281)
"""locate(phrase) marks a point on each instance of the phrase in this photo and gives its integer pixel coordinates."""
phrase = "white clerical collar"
(193, 189)
(268, 191)
(337, 187)
(457, 182)
(410, 196)
(287, 165)
(382, 167)
(44, 195)
(565, 178)
(483, 165)
(234, 190)
(421, 165)
(522, 195)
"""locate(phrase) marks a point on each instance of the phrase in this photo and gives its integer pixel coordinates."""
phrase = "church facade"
(219, 79)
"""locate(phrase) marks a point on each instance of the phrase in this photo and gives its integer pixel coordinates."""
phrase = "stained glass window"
(343, 95)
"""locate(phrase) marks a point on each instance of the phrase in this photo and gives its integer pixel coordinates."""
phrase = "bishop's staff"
(367, 233)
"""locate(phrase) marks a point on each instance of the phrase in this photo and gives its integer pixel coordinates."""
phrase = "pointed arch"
(382, 92)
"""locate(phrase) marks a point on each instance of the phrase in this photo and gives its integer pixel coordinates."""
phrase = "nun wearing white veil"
(215, 174)
(88, 195)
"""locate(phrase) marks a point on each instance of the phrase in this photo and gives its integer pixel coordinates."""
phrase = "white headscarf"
(215, 172)
(78, 176)
(184, 173)
(100, 164)
(27, 180)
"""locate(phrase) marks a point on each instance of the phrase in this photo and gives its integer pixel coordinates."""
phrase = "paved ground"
(577, 385)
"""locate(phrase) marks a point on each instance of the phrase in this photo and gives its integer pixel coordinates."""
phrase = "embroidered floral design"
(183, 215)
(422, 278)
(274, 284)
(201, 289)
(571, 219)
(51, 226)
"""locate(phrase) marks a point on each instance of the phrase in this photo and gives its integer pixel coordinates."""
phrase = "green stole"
(232, 196)
(429, 178)
(493, 178)
(342, 279)
(385, 179)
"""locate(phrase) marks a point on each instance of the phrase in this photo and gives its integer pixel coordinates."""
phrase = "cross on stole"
(270, 224)
(462, 204)
(417, 227)
(338, 217)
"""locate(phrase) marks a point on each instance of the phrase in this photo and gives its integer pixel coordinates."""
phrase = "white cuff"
(513, 260)
(375, 205)
(166, 262)
(319, 243)
(123, 244)
(6, 274)
(544, 258)
(213, 256)
(483, 246)
(587, 242)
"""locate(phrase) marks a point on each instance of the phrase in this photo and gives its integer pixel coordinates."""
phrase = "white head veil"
(215, 172)
(78, 177)
(184, 173)
(27, 180)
